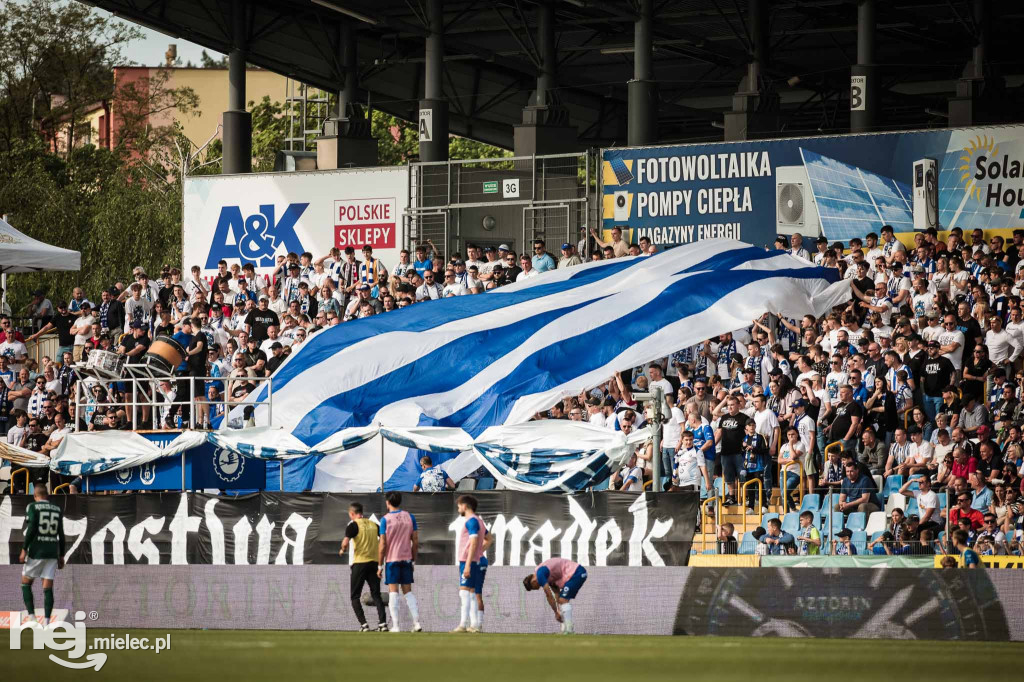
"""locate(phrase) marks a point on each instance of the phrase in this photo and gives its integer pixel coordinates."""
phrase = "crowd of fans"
(918, 378)
(235, 328)
(917, 381)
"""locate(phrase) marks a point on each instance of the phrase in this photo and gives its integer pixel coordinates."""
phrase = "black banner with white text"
(596, 529)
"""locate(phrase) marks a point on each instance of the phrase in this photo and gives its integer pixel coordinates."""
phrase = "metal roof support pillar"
(237, 133)
(642, 90)
(863, 81)
(433, 119)
(755, 105)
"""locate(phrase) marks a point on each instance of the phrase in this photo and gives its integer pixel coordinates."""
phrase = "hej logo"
(255, 238)
(58, 636)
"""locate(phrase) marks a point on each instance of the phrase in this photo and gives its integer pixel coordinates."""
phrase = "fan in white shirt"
(1003, 347)
(630, 476)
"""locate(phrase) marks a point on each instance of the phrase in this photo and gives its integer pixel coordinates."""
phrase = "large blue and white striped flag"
(498, 358)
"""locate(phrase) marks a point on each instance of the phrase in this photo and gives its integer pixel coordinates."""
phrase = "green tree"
(56, 60)
(465, 148)
(208, 62)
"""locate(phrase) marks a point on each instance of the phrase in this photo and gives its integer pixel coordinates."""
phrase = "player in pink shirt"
(564, 577)
(399, 544)
(472, 544)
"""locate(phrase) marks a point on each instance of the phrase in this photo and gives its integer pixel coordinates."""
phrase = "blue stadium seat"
(710, 551)
(603, 485)
(856, 521)
(703, 490)
(877, 534)
(748, 543)
(485, 484)
(717, 485)
(791, 522)
(892, 485)
(837, 523)
(765, 518)
(912, 507)
(811, 502)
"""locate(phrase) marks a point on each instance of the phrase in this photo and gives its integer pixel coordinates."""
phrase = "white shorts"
(40, 568)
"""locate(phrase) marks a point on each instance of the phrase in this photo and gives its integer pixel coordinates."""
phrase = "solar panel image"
(852, 201)
(622, 174)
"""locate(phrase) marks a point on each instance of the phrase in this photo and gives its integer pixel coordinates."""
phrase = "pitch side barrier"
(940, 604)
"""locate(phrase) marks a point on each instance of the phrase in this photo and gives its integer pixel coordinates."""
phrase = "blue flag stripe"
(577, 355)
(551, 366)
(420, 317)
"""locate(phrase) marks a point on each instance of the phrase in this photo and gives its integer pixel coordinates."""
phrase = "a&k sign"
(257, 218)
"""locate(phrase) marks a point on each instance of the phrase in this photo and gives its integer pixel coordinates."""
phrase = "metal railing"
(710, 521)
(760, 499)
(45, 346)
(141, 394)
(784, 484)
(22, 470)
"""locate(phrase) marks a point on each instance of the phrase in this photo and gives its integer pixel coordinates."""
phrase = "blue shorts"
(483, 575)
(398, 573)
(573, 584)
(475, 580)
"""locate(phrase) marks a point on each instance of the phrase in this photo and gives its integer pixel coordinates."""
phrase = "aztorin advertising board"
(256, 218)
(840, 187)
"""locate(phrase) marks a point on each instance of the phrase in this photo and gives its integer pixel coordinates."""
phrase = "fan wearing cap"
(362, 296)
(937, 372)
(40, 309)
(842, 546)
(135, 344)
(290, 287)
(897, 286)
(569, 257)
(485, 270)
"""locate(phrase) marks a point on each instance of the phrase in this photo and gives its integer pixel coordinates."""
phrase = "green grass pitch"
(289, 656)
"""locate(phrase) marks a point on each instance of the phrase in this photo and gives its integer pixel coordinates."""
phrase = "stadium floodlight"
(346, 11)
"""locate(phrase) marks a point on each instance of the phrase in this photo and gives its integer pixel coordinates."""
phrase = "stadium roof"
(701, 48)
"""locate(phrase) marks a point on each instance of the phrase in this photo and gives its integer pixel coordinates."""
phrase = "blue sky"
(149, 51)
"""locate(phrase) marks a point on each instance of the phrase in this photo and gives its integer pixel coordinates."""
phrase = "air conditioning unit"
(926, 194)
(795, 210)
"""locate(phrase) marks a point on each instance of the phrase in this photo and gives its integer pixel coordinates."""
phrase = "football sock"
(48, 601)
(30, 602)
(479, 616)
(410, 600)
(474, 613)
(566, 610)
(465, 597)
(393, 608)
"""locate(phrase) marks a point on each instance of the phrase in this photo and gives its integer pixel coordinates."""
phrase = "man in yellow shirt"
(362, 534)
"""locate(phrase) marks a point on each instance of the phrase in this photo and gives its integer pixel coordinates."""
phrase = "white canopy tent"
(21, 253)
